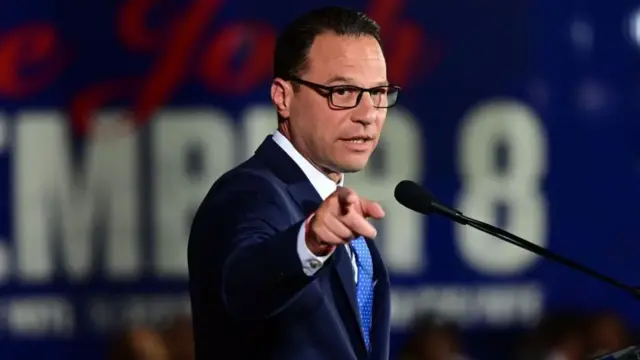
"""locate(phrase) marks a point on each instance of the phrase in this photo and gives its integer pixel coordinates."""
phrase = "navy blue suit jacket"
(249, 295)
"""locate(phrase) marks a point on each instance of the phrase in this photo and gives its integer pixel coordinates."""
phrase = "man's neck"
(334, 176)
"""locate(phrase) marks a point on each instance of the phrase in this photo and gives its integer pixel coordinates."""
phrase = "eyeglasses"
(349, 96)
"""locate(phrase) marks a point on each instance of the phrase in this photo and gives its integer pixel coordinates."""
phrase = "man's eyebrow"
(348, 80)
(383, 83)
(339, 78)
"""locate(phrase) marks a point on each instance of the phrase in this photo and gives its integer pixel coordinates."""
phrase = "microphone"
(418, 199)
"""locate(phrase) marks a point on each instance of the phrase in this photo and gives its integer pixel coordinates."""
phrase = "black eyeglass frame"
(328, 91)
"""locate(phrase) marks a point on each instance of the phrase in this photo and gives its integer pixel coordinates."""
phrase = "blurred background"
(117, 116)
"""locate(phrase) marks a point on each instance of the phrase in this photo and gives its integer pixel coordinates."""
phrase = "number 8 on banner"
(516, 186)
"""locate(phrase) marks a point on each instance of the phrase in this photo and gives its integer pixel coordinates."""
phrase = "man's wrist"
(313, 244)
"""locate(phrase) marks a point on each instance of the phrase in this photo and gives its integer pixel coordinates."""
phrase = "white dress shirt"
(325, 187)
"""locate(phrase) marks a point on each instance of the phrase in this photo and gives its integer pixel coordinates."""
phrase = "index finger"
(359, 225)
(371, 209)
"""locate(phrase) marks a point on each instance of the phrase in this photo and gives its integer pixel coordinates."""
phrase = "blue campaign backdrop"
(521, 113)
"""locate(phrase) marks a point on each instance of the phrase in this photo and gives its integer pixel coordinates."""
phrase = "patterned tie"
(364, 287)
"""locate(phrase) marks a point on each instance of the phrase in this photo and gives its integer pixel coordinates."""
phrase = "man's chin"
(352, 166)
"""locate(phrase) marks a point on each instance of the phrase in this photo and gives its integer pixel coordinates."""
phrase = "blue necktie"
(364, 286)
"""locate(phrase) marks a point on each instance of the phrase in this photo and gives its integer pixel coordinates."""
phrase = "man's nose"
(365, 112)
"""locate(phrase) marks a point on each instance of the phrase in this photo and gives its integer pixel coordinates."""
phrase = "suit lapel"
(307, 198)
(344, 269)
(381, 307)
(299, 187)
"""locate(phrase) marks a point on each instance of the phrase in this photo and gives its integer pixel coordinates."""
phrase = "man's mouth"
(358, 139)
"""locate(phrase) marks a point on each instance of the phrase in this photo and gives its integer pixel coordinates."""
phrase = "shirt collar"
(321, 182)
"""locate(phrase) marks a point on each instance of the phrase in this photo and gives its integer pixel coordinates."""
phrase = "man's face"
(323, 133)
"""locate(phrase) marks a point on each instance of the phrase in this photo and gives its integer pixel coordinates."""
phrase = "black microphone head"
(414, 197)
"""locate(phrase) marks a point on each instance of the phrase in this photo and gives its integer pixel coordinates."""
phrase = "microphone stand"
(628, 353)
(522, 243)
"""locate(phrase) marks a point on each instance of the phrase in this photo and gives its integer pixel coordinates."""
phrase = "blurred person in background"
(281, 259)
(432, 338)
(178, 338)
(558, 336)
(138, 344)
(607, 332)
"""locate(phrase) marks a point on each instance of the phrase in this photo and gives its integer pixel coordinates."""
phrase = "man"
(281, 261)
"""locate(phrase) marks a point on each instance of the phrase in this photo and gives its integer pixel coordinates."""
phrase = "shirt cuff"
(311, 263)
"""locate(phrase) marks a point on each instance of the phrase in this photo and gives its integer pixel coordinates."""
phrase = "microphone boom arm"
(543, 252)
(417, 198)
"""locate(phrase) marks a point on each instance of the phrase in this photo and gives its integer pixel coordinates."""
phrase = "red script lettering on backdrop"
(30, 56)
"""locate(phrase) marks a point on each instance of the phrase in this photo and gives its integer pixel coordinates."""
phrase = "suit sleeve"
(261, 267)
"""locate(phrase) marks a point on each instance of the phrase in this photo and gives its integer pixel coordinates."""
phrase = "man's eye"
(379, 91)
(345, 91)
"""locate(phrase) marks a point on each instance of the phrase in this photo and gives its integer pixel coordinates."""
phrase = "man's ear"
(281, 94)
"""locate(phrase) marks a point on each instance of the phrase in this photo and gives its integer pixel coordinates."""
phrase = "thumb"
(371, 209)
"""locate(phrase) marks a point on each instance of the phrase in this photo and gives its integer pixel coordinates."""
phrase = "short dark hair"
(293, 44)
